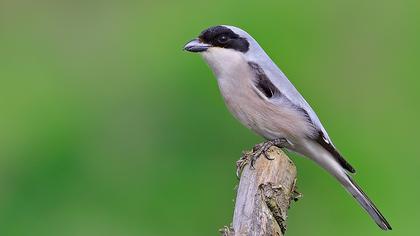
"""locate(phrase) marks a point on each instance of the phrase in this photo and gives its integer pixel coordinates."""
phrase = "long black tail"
(324, 158)
(367, 204)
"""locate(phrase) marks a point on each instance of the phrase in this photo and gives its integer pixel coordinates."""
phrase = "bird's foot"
(241, 163)
(257, 151)
(260, 149)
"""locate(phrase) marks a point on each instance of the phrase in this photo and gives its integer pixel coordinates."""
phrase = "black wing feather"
(263, 83)
(321, 140)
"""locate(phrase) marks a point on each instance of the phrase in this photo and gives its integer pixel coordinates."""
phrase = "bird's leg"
(262, 148)
(257, 150)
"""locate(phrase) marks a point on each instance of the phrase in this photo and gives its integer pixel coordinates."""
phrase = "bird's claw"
(261, 149)
(257, 151)
(241, 163)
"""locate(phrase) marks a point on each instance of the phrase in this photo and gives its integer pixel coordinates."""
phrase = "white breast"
(268, 118)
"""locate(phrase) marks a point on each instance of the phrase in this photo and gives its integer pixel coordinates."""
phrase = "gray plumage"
(261, 97)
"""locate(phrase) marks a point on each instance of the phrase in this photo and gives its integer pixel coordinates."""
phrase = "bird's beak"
(196, 46)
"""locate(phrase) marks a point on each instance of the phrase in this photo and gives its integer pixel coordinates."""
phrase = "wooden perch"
(264, 195)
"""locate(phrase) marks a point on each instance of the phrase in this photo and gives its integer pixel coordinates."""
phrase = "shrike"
(261, 97)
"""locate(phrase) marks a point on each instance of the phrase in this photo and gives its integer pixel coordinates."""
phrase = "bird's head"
(221, 37)
(226, 47)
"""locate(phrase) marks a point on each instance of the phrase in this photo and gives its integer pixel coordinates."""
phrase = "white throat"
(225, 63)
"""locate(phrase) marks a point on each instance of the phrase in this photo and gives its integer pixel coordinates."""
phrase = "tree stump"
(263, 196)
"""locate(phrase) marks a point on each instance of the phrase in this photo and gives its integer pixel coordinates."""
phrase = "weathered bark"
(263, 197)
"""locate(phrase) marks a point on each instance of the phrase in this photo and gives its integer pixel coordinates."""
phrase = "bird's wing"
(321, 140)
(291, 95)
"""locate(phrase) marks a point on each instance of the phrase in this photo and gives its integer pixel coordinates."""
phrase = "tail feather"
(367, 204)
(321, 156)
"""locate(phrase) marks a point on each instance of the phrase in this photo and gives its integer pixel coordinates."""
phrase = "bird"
(262, 98)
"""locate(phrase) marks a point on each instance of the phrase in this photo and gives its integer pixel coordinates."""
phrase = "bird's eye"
(222, 39)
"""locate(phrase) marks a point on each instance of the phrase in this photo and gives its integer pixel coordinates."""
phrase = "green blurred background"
(109, 128)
